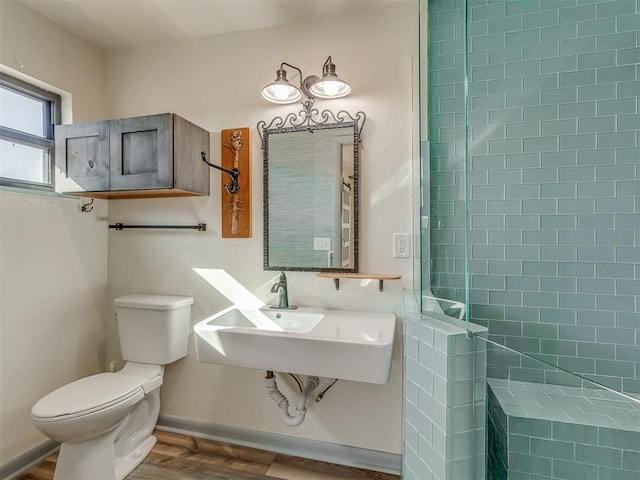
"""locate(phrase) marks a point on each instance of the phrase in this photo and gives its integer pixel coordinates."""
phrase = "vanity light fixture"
(280, 90)
(329, 86)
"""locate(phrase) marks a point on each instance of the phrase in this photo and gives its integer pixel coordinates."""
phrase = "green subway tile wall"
(554, 174)
(444, 400)
(556, 432)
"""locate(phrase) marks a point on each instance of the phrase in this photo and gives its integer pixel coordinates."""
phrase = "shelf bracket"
(336, 282)
(362, 276)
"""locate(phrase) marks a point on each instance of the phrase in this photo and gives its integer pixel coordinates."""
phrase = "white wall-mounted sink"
(309, 341)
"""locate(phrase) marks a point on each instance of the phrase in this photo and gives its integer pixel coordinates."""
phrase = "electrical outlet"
(401, 245)
(322, 243)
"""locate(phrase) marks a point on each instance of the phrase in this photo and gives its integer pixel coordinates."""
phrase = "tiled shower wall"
(444, 401)
(554, 175)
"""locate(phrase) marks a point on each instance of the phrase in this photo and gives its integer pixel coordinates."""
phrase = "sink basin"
(309, 341)
(269, 320)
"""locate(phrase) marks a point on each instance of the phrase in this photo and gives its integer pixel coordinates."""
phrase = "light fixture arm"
(305, 82)
(291, 66)
(325, 67)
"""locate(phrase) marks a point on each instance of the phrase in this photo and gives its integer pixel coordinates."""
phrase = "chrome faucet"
(283, 298)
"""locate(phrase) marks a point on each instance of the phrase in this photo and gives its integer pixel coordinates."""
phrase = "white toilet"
(104, 422)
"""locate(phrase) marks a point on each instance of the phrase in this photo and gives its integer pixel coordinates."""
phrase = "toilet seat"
(89, 395)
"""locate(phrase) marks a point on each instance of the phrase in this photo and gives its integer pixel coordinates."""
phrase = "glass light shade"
(330, 88)
(281, 91)
(278, 92)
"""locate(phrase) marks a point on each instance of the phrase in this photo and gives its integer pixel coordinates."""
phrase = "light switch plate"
(322, 243)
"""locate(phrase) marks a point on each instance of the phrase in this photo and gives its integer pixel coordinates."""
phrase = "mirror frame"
(310, 119)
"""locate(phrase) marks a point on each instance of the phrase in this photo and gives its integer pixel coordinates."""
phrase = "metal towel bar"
(201, 227)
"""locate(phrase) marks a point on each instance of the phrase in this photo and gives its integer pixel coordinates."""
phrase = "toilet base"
(125, 465)
(91, 459)
(94, 459)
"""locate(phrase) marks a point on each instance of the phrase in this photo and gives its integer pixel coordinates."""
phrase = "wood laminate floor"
(180, 457)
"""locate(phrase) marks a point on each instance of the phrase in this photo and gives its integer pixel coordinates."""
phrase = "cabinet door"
(142, 152)
(82, 157)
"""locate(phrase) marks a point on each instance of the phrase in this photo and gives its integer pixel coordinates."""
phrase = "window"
(27, 118)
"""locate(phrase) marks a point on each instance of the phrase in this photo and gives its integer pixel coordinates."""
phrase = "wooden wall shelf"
(359, 276)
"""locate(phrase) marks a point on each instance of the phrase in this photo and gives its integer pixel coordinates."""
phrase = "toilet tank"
(153, 328)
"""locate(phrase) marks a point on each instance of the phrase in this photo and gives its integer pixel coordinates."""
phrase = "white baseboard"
(286, 445)
(23, 462)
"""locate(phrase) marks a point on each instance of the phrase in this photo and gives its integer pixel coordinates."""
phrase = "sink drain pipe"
(282, 402)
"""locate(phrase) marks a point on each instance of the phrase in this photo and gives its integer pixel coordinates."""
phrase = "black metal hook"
(235, 186)
(85, 206)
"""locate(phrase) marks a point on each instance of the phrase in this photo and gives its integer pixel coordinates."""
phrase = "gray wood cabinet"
(150, 156)
(82, 153)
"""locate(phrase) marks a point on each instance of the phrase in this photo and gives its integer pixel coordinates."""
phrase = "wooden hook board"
(235, 145)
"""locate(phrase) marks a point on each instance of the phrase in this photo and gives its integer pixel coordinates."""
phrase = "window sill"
(35, 192)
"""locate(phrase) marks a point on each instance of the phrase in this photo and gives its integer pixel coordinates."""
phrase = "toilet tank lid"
(153, 302)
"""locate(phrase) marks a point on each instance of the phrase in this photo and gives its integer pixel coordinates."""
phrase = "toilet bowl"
(105, 422)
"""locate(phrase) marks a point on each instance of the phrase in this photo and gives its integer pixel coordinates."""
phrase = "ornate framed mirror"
(311, 204)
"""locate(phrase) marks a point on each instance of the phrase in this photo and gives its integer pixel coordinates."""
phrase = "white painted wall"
(215, 82)
(53, 259)
(55, 303)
